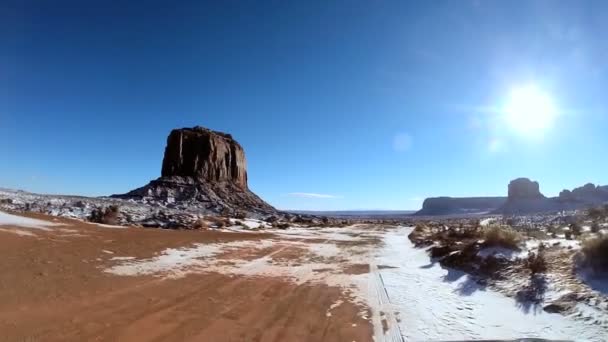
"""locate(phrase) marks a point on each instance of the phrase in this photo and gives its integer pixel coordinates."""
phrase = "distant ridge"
(524, 197)
(357, 213)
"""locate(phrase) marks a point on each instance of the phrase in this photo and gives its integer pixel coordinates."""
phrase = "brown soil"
(53, 288)
(356, 269)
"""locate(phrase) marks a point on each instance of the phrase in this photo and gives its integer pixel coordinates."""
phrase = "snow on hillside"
(443, 304)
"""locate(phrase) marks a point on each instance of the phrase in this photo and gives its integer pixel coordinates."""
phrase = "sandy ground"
(73, 281)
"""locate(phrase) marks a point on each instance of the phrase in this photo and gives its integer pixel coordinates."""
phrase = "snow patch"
(26, 222)
(445, 304)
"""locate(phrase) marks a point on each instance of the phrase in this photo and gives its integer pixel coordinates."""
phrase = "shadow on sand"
(531, 298)
(466, 286)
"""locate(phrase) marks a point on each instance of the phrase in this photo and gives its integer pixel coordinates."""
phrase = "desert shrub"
(6, 201)
(536, 262)
(281, 225)
(200, 224)
(109, 215)
(240, 215)
(568, 235)
(595, 253)
(504, 236)
(595, 213)
(576, 229)
(218, 221)
(595, 227)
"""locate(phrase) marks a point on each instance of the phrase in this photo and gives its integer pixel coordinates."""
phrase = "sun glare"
(529, 112)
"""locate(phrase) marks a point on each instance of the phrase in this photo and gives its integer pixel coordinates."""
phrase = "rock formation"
(205, 155)
(202, 169)
(588, 193)
(458, 206)
(523, 188)
(524, 197)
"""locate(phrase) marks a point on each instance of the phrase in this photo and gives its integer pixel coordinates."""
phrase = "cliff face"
(523, 188)
(202, 170)
(525, 197)
(204, 155)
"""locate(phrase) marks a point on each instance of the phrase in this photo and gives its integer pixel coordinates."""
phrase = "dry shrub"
(218, 221)
(576, 229)
(505, 236)
(536, 262)
(109, 215)
(200, 224)
(595, 253)
(281, 225)
(596, 213)
(595, 227)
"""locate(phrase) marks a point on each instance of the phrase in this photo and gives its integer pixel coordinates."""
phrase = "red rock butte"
(205, 155)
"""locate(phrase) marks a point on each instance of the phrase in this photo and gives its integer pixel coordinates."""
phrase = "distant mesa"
(435, 206)
(523, 188)
(523, 197)
(202, 169)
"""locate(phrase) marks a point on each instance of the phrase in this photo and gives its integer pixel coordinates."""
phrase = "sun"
(529, 111)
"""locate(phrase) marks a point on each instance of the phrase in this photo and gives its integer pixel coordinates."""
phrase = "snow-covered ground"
(25, 222)
(441, 304)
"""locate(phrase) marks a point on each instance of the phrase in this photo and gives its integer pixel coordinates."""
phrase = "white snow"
(25, 222)
(487, 221)
(250, 223)
(443, 304)
(572, 244)
(418, 299)
(501, 252)
(112, 226)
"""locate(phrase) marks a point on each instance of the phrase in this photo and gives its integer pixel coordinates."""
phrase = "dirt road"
(74, 281)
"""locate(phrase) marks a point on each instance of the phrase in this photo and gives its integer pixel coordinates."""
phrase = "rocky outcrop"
(202, 170)
(588, 193)
(458, 206)
(523, 188)
(206, 156)
(524, 197)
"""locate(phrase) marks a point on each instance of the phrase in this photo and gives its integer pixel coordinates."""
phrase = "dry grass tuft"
(200, 224)
(536, 262)
(595, 253)
(501, 236)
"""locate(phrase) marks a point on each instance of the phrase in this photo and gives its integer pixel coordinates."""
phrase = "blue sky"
(338, 104)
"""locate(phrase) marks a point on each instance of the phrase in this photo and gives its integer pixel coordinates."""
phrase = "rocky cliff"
(205, 155)
(202, 169)
(524, 197)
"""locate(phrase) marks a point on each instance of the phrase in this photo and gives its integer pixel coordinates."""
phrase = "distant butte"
(203, 169)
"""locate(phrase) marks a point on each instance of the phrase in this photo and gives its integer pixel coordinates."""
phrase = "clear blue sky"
(368, 104)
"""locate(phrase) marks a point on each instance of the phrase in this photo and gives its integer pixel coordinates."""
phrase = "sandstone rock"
(205, 155)
(523, 188)
(202, 170)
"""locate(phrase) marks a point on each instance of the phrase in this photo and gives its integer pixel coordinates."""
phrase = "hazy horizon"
(338, 105)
